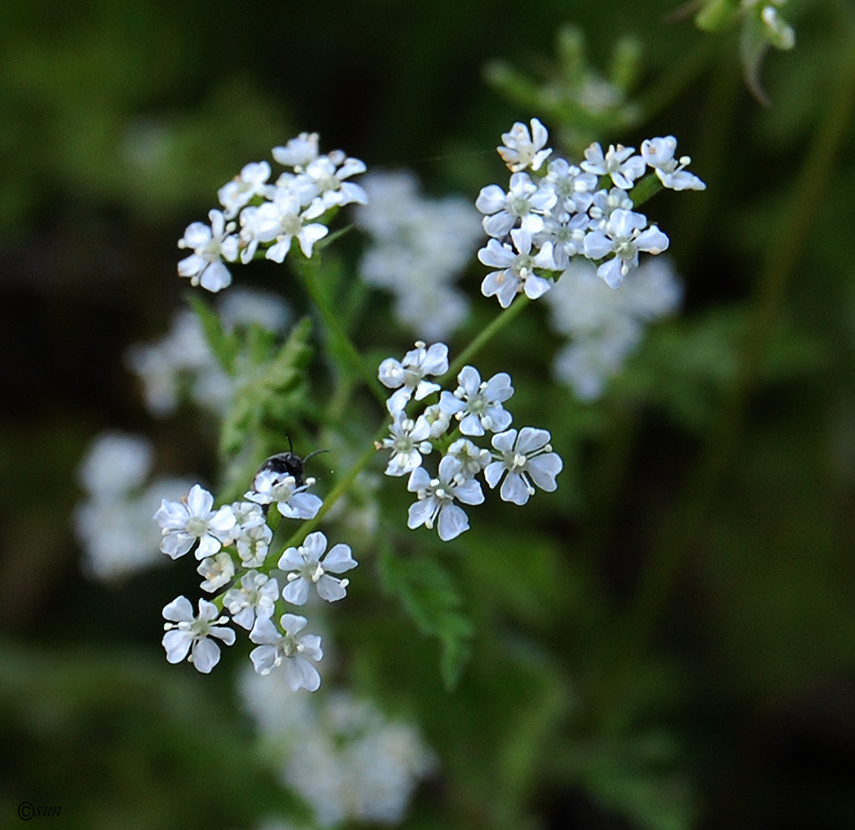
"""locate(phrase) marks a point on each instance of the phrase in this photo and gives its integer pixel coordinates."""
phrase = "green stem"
(487, 334)
(308, 270)
(333, 496)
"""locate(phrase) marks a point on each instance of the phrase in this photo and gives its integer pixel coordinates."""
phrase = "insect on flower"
(286, 463)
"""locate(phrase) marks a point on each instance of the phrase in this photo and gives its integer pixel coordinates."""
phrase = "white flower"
(117, 534)
(291, 501)
(430, 310)
(437, 419)
(241, 307)
(566, 233)
(298, 152)
(217, 570)
(280, 221)
(523, 149)
(183, 523)
(419, 247)
(658, 153)
(618, 162)
(605, 203)
(188, 633)
(410, 373)
(408, 443)
(326, 175)
(252, 544)
(244, 187)
(524, 205)
(624, 236)
(305, 568)
(517, 268)
(478, 405)
(436, 499)
(288, 650)
(470, 459)
(254, 599)
(573, 188)
(525, 458)
(181, 358)
(211, 245)
(247, 514)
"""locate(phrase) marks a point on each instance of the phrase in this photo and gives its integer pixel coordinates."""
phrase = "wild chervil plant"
(448, 431)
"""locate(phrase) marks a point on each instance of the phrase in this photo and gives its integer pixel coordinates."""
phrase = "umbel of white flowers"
(554, 211)
(232, 542)
(520, 460)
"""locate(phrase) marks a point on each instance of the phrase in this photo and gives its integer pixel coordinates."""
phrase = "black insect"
(286, 463)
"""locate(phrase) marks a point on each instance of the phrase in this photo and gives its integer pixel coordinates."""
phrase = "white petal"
(469, 493)
(330, 588)
(452, 522)
(493, 472)
(420, 513)
(179, 610)
(301, 674)
(532, 439)
(177, 644)
(199, 501)
(263, 659)
(543, 470)
(296, 592)
(206, 655)
(514, 489)
(339, 559)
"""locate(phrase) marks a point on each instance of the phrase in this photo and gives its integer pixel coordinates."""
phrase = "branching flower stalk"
(448, 430)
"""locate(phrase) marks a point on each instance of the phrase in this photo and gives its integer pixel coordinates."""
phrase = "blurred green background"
(707, 596)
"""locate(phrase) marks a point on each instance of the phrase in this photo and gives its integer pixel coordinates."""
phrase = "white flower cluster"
(272, 216)
(419, 247)
(519, 460)
(554, 211)
(114, 525)
(606, 326)
(232, 543)
(182, 362)
(341, 755)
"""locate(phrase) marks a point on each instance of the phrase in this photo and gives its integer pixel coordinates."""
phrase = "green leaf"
(431, 598)
(271, 393)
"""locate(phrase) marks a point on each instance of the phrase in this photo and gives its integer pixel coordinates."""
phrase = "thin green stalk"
(486, 335)
(341, 487)
(308, 271)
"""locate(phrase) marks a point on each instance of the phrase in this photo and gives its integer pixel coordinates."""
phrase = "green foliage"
(271, 395)
(428, 594)
(577, 98)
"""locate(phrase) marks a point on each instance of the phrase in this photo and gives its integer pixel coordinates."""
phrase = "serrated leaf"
(272, 391)
(430, 596)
